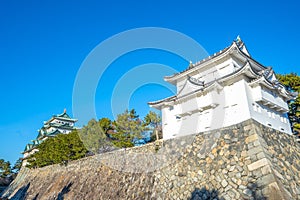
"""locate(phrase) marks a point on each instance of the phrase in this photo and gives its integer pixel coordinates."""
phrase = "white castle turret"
(222, 90)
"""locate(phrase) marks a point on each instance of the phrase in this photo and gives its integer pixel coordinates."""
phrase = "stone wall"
(244, 161)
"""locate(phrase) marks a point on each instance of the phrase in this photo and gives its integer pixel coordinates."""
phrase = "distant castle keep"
(61, 123)
(222, 90)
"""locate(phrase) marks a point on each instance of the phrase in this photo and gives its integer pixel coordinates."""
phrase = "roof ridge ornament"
(238, 39)
(239, 42)
(195, 81)
(241, 45)
(267, 73)
(191, 64)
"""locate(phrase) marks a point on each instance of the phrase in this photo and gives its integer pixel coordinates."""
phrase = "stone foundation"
(244, 161)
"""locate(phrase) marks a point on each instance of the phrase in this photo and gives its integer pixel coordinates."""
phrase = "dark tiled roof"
(200, 62)
(63, 115)
(63, 126)
(206, 85)
(191, 66)
(162, 100)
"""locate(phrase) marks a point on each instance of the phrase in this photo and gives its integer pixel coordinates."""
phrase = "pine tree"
(153, 120)
(5, 168)
(16, 168)
(59, 149)
(94, 135)
(128, 127)
(292, 82)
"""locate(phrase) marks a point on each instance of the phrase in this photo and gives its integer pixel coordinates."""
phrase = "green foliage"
(153, 120)
(94, 135)
(292, 82)
(105, 124)
(60, 149)
(16, 168)
(128, 126)
(97, 137)
(122, 140)
(5, 168)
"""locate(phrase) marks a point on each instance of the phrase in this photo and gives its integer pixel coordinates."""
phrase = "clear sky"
(43, 44)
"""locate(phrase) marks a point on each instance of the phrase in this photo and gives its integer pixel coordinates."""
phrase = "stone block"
(228, 188)
(224, 183)
(248, 127)
(238, 175)
(266, 170)
(260, 155)
(257, 173)
(233, 184)
(250, 145)
(279, 175)
(251, 138)
(242, 187)
(255, 150)
(256, 143)
(231, 194)
(231, 168)
(268, 179)
(226, 197)
(258, 164)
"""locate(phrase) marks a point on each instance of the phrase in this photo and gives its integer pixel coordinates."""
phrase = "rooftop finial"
(241, 45)
(238, 38)
(239, 41)
(191, 64)
(65, 110)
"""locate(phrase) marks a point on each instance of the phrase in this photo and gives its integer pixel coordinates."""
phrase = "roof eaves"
(168, 78)
(163, 100)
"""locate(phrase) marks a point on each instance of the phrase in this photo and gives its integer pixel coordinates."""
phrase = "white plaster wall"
(205, 119)
(63, 122)
(186, 118)
(232, 108)
(63, 130)
(188, 88)
(180, 84)
(217, 70)
(236, 104)
(188, 124)
(208, 74)
(170, 124)
(273, 97)
(266, 115)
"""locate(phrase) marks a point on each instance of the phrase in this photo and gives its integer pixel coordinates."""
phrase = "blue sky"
(43, 44)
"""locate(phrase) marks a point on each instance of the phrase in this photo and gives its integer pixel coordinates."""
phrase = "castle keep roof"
(61, 123)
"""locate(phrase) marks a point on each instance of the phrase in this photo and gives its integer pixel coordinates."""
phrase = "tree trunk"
(156, 133)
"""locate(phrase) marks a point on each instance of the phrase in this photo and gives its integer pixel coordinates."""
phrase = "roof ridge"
(191, 65)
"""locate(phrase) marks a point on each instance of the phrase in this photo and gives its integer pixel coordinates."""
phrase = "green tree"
(292, 82)
(94, 136)
(16, 168)
(122, 140)
(128, 127)
(5, 168)
(105, 124)
(153, 120)
(59, 149)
